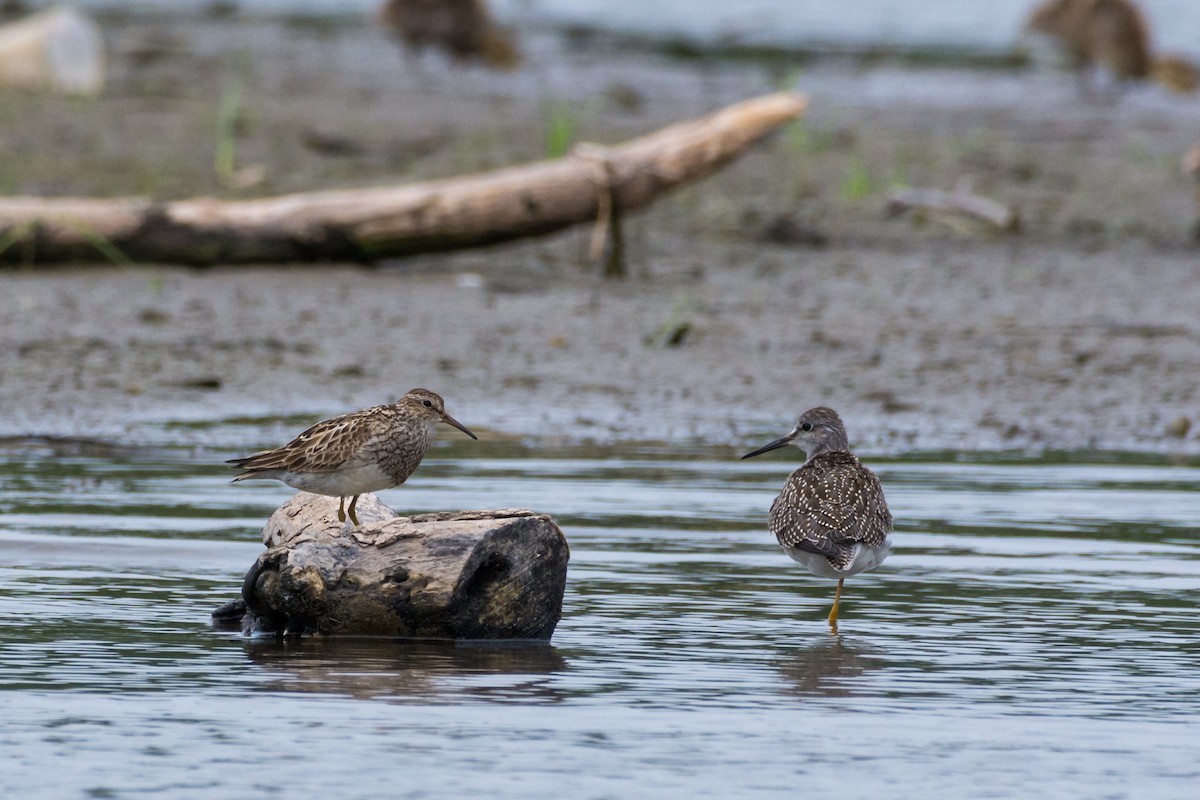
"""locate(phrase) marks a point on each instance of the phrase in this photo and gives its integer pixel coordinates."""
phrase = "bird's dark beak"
(449, 420)
(766, 448)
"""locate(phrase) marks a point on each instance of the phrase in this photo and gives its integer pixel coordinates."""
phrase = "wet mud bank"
(775, 285)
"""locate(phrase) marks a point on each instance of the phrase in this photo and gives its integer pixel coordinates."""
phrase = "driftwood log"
(449, 575)
(591, 184)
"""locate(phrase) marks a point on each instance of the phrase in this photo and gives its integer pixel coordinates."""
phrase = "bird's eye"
(427, 403)
(807, 426)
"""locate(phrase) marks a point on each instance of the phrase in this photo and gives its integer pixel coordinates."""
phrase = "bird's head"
(819, 430)
(429, 406)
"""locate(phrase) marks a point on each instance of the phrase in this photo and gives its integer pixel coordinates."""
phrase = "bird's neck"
(835, 445)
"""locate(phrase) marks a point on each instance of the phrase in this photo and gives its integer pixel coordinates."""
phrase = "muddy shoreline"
(1080, 332)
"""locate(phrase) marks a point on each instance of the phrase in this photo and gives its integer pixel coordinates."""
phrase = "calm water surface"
(1034, 634)
(982, 24)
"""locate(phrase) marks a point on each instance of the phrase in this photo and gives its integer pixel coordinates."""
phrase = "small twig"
(999, 216)
(606, 234)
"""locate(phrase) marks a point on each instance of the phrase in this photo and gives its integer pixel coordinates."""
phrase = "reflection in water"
(64, 447)
(826, 669)
(389, 669)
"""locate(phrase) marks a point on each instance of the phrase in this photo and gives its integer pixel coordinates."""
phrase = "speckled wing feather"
(325, 447)
(830, 504)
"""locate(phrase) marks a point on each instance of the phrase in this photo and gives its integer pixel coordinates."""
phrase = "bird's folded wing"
(327, 446)
(826, 507)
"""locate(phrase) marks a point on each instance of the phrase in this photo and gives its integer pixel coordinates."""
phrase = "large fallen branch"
(368, 224)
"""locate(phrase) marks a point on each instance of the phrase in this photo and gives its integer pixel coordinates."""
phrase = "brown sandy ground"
(1082, 331)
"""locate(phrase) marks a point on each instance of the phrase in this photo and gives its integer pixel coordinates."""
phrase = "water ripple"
(1033, 616)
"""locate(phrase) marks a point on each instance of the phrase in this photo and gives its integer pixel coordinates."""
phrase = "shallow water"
(1033, 634)
(991, 25)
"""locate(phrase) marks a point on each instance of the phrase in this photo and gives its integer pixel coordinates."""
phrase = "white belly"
(367, 478)
(864, 559)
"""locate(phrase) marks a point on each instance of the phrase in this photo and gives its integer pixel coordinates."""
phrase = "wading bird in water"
(831, 516)
(365, 451)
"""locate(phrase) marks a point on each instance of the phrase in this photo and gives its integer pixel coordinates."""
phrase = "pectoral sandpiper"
(365, 451)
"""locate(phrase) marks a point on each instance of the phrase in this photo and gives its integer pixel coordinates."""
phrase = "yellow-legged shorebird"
(831, 516)
(366, 451)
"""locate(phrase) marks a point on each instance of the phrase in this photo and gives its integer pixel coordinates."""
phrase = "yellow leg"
(353, 516)
(833, 613)
(341, 509)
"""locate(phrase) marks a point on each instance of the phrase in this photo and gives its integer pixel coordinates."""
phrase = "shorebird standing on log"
(462, 28)
(366, 451)
(831, 516)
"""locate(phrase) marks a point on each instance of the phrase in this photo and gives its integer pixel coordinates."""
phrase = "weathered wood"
(496, 574)
(387, 222)
(936, 201)
(58, 50)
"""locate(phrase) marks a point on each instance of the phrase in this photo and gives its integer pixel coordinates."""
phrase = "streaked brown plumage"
(462, 28)
(831, 515)
(1176, 73)
(1111, 33)
(365, 451)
